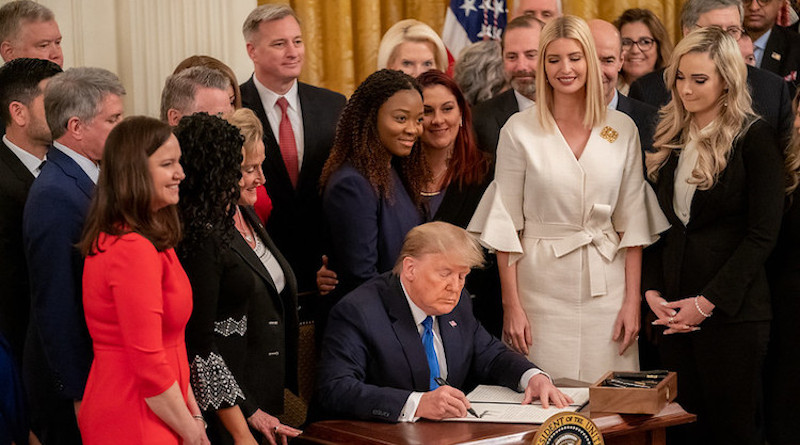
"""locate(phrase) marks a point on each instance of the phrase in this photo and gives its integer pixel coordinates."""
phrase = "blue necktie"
(430, 352)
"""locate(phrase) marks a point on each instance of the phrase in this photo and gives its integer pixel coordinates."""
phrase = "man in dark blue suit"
(297, 137)
(387, 341)
(776, 49)
(609, 51)
(22, 154)
(771, 97)
(82, 105)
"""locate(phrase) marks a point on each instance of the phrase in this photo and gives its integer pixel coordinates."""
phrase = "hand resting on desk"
(540, 386)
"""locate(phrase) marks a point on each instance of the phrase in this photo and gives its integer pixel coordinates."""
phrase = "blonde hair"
(444, 238)
(250, 127)
(792, 154)
(575, 28)
(734, 119)
(411, 30)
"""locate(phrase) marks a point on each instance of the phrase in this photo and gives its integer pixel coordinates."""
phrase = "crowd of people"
(580, 197)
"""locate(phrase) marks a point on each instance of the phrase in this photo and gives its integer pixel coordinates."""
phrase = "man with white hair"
(543, 10)
(28, 29)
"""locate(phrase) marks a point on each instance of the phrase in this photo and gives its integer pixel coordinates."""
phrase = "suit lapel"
(310, 110)
(775, 45)
(16, 166)
(450, 330)
(240, 246)
(73, 170)
(406, 331)
(509, 106)
(291, 282)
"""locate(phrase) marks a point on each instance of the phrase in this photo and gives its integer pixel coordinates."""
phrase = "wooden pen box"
(608, 399)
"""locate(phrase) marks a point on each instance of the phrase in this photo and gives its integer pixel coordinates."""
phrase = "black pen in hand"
(442, 382)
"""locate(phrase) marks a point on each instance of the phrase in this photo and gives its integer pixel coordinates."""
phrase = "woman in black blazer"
(781, 384)
(242, 336)
(717, 173)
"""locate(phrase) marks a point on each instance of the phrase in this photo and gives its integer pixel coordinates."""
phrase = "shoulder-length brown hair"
(122, 201)
(468, 165)
(664, 43)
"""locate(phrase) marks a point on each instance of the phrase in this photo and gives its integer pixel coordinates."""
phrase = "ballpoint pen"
(442, 382)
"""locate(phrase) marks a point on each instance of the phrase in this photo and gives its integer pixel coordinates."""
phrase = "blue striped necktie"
(430, 352)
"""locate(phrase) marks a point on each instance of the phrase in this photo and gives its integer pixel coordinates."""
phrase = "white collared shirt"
(759, 46)
(87, 165)
(412, 403)
(523, 102)
(31, 162)
(269, 100)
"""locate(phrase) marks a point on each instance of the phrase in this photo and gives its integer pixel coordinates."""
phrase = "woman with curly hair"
(645, 44)
(368, 208)
(783, 268)
(222, 335)
(136, 297)
(717, 173)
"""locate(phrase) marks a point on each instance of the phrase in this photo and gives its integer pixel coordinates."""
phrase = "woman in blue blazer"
(367, 206)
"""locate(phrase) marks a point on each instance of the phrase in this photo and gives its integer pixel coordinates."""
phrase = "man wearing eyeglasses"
(775, 48)
(771, 97)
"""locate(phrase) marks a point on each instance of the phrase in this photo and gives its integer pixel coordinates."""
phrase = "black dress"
(242, 335)
(781, 382)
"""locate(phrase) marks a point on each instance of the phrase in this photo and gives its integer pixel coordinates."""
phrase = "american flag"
(468, 21)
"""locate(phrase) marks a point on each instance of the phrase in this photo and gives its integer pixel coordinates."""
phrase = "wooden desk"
(617, 430)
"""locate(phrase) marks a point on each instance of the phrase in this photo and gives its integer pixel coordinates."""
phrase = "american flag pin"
(453, 323)
(776, 56)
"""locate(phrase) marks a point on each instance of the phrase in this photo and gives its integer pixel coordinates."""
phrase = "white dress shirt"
(91, 169)
(269, 100)
(31, 162)
(523, 102)
(412, 403)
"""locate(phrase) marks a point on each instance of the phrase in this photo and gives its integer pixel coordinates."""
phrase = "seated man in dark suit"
(389, 339)
(771, 97)
(520, 47)
(609, 51)
(777, 49)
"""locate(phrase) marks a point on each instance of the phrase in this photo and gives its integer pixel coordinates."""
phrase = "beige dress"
(560, 217)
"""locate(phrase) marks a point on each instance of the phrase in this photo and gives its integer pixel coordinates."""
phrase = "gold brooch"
(609, 134)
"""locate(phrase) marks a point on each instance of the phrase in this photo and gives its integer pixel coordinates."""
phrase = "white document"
(501, 394)
(503, 405)
(511, 413)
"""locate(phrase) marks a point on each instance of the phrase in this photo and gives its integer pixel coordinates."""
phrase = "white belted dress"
(560, 216)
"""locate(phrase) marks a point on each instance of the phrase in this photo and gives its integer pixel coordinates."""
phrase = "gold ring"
(671, 320)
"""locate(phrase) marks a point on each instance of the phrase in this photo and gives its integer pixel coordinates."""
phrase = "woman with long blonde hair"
(568, 213)
(718, 177)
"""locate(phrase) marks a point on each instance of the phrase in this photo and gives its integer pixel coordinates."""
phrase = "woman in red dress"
(137, 298)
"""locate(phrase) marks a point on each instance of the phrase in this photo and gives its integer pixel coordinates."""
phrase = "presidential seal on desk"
(568, 429)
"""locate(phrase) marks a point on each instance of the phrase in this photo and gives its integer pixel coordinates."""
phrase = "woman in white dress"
(568, 214)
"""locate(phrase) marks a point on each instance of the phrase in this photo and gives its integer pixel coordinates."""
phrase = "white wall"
(143, 40)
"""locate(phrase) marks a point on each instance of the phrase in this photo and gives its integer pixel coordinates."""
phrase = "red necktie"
(287, 143)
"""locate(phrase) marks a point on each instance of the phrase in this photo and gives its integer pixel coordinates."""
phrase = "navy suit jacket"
(373, 358)
(489, 117)
(782, 55)
(15, 181)
(771, 98)
(296, 219)
(58, 349)
(644, 116)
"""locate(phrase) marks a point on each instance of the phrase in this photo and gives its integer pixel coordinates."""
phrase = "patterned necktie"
(430, 352)
(287, 143)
